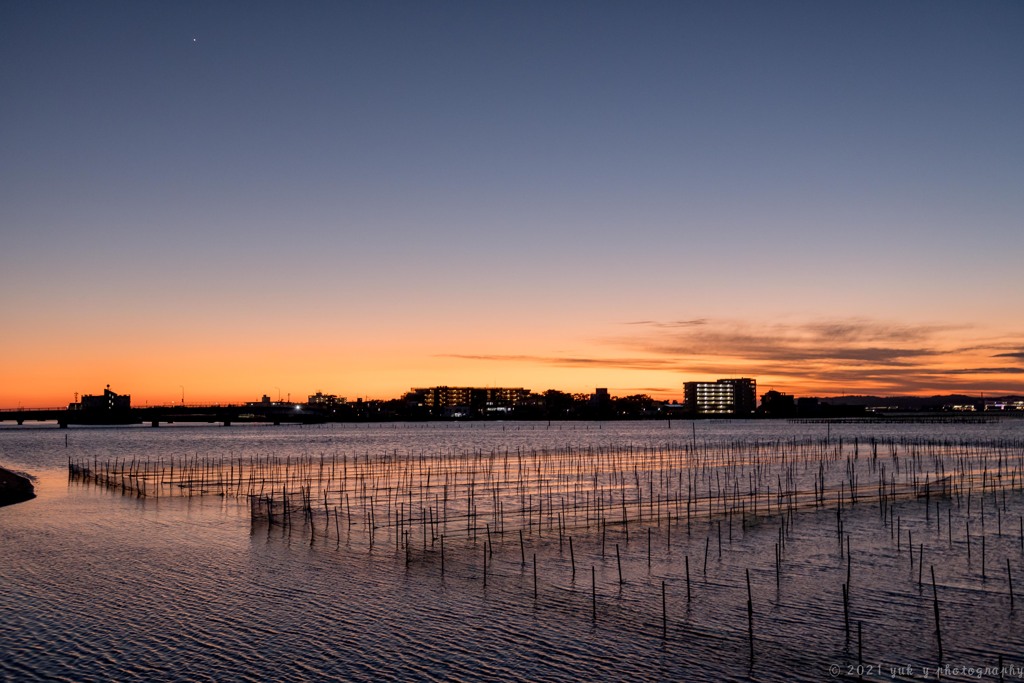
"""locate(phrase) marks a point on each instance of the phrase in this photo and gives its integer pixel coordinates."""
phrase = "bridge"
(154, 415)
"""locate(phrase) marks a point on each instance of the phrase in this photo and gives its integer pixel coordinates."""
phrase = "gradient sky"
(228, 199)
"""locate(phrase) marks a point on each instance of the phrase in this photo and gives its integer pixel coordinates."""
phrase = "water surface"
(98, 585)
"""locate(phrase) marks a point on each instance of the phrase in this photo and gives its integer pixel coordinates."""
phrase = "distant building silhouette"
(322, 400)
(445, 401)
(109, 402)
(777, 404)
(724, 397)
(109, 409)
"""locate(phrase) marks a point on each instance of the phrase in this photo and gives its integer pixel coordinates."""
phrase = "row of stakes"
(779, 549)
(999, 465)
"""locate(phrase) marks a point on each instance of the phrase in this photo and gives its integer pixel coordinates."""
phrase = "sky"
(212, 201)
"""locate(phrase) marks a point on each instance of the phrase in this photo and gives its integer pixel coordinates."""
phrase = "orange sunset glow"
(820, 358)
(814, 197)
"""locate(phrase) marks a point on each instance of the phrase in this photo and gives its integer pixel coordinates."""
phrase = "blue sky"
(501, 179)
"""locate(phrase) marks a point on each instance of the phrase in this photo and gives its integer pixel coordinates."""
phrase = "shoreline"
(14, 488)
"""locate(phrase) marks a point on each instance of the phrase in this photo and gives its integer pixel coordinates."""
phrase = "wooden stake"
(593, 593)
(849, 562)
(846, 609)
(687, 579)
(618, 559)
(572, 558)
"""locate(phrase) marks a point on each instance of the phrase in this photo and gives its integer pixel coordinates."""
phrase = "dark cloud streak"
(835, 355)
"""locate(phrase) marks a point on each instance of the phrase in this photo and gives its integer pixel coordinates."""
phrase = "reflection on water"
(98, 585)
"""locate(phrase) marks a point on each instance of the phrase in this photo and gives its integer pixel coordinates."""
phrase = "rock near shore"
(14, 488)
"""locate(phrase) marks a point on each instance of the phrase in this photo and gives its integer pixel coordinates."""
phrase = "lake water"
(99, 585)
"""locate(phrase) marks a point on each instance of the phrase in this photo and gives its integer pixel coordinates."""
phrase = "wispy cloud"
(851, 355)
(670, 324)
(635, 363)
(854, 353)
(987, 371)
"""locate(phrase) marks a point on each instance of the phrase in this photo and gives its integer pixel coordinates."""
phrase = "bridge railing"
(30, 410)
